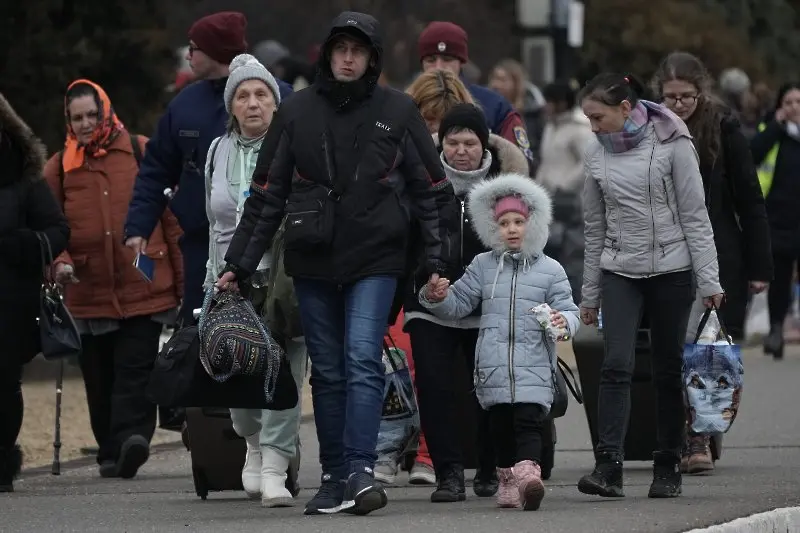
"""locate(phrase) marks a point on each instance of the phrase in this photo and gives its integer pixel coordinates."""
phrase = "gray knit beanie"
(246, 67)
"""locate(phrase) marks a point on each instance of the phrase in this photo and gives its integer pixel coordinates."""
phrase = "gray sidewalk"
(760, 470)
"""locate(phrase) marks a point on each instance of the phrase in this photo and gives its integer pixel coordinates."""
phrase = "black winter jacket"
(463, 243)
(783, 197)
(27, 206)
(739, 220)
(313, 146)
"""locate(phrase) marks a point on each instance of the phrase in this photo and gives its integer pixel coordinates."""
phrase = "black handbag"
(58, 333)
(562, 387)
(178, 379)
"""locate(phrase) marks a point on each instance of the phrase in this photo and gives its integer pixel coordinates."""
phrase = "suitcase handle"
(216, 412)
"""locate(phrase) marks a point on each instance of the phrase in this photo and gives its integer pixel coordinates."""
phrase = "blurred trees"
(759, 36)
(127, 47)
(122, 46)
(299, 25)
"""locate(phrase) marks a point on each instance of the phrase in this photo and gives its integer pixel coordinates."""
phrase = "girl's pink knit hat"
(511, 204)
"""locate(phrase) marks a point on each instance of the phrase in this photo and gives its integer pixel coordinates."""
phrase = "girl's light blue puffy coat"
(514, 359)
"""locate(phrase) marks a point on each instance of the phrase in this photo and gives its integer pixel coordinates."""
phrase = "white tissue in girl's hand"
(542, 313)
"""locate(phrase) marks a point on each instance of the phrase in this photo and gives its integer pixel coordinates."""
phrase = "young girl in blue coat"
(515, 359)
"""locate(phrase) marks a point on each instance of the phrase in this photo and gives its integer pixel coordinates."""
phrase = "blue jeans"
(344, 328)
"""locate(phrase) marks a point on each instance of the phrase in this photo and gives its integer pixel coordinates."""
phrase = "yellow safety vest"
(766, 170)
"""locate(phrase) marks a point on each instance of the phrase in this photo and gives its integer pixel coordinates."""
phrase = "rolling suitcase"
(218, 453)
(640, 439)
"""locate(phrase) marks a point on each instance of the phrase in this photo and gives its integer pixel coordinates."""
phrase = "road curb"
(781, 520)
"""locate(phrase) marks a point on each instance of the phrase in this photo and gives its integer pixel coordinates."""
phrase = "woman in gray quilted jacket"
(649, 247)
(515, 358)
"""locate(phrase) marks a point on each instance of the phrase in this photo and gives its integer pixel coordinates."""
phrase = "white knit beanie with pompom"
(246, 67)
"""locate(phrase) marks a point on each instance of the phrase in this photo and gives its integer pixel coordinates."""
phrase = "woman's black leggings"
(10, 404)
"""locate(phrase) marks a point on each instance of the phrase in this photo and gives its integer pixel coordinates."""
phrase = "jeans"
(279, 429)
(116, 370)
(344, 328)
(667, 300)
(517, 430)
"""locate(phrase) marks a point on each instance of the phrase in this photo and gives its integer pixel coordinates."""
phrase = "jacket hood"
(481, 202)
(361, 26)
(20, 137)
(668, 126)
(506, 156)
(509, 156)
(571, 116)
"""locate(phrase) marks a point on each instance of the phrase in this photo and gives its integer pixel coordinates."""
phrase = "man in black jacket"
(338, 161)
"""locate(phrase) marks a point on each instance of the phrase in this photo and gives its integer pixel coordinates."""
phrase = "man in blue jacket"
(175, 157)
(444, 45)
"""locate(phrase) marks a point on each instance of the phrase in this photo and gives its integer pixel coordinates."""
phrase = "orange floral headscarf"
(107, 130)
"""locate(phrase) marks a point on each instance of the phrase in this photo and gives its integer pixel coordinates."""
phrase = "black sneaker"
(363, 494)
(132, 455)
(108, 468)
(10, 466)
(449, 485)
(666, 476)
(328, 499)
(605, 480)
(485, 483)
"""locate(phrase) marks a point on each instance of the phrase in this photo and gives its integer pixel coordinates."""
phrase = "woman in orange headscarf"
(119, 311)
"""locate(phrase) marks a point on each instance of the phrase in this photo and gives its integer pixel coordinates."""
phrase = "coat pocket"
(309, 225)
(486, 350)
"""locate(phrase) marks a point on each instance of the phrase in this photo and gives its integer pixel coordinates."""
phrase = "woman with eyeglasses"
(734, 202)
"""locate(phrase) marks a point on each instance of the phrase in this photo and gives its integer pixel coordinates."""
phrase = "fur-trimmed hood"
(34, 153)
(481, 202)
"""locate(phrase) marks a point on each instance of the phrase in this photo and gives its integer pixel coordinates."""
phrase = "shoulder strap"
(363, 133)
(213, 155)
(61, 176)
(137, 149)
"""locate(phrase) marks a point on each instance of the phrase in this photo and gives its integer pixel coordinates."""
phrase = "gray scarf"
(464, 180)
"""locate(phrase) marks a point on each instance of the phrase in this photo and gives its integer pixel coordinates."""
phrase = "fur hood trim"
(509, 156)
(483, 197)
(35, 153)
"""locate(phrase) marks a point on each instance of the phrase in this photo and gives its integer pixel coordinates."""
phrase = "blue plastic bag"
(713, 378)
(400, 417)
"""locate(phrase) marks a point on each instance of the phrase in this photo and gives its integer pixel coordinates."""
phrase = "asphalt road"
(760, 470)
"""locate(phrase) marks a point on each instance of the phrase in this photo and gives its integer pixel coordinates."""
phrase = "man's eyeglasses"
(193, 48)
(685, 99)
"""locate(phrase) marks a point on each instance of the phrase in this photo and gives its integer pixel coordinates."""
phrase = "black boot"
(449, 485)
(773, 343)
(485, 483)
(666, 476)
(10, 465)
(606, 478)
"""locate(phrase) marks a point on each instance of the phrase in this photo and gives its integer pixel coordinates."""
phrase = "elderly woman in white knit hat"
(251, 98)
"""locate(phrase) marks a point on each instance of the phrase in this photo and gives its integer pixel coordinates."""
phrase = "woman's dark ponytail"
(636, 86)
(611, 88)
